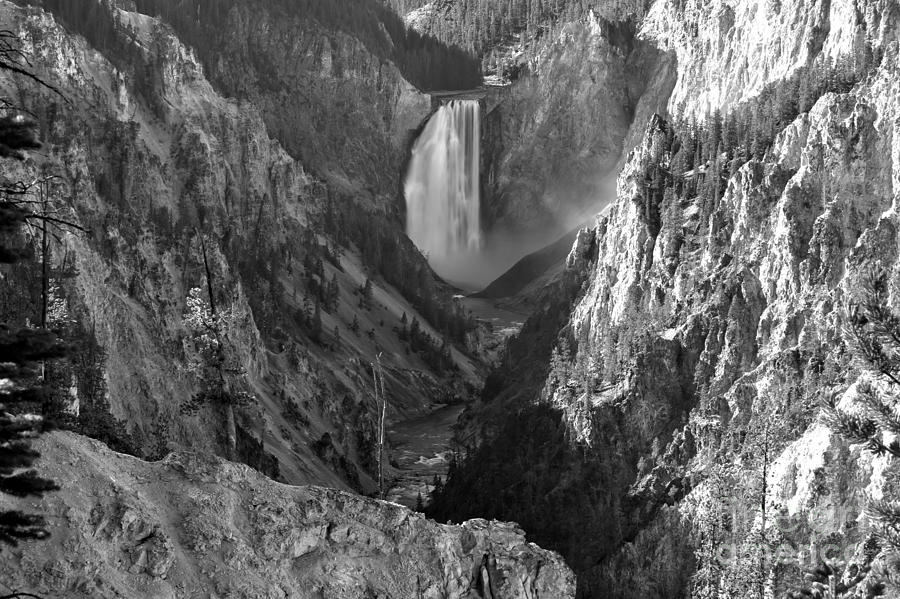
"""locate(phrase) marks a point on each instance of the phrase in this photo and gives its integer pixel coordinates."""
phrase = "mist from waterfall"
(442, 187)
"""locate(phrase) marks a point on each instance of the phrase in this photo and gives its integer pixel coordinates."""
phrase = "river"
(421, 448)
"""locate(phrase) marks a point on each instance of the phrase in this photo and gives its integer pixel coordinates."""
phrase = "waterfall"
(442, 183)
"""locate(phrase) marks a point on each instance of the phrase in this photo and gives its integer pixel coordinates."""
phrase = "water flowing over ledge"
(442, 184)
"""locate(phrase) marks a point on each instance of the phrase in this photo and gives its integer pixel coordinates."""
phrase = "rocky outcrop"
(195, 526)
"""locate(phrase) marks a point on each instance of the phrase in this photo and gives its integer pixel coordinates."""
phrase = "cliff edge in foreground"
(193, 525)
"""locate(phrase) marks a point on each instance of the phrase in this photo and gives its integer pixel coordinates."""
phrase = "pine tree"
(316, 329)
(21, 349)
(828, 581)
(20, 403)
(873, 334)
(414, 334)
(366, 291)
(560, 362)
(320, 269)
(555, 366)
(438, 487)
(333, 294)
(712, 530)
(404, 330)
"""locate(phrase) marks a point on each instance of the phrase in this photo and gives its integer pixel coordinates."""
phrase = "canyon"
(640, 395)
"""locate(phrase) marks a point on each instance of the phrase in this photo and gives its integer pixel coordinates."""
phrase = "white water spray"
(442, 183)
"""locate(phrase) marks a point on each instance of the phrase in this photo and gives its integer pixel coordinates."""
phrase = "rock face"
(587, 89)
(162, 167)
(196, 526)
(561, 129)
(311, 85)
(714, 325)
(728, 51)
(741, 314)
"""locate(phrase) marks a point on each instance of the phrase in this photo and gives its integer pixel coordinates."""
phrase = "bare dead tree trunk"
(45, 275)
(381, 429)
(375, 386)
(381, 406)
(209, 283)
(45, 268)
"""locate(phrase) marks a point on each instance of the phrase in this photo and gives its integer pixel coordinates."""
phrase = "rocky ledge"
(193, 525)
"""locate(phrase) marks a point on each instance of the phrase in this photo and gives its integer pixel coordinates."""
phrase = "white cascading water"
(442, 183)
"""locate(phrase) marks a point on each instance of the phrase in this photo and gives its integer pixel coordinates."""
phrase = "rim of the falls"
(442, 187)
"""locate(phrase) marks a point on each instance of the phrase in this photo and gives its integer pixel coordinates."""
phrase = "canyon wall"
(313, 85)
(166, 176)
(708, 327)
(560, 131)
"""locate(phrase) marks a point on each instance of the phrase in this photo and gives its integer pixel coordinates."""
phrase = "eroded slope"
(193, 525)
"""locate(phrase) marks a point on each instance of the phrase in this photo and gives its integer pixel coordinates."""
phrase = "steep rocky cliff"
(195, 526)
(728, 51)
(556, 138)
(690, 456)
(178, 186)
(743, 300)
(567, 105)
(312, 84)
